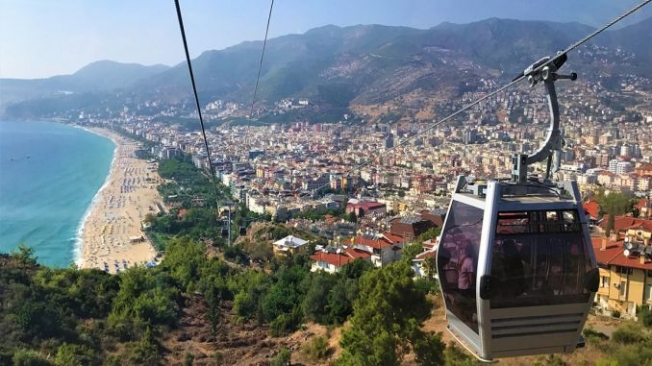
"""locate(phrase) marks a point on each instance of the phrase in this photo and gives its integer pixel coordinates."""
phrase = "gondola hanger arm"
(553, 144)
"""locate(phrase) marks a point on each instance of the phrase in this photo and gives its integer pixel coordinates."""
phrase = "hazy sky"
(41, 38)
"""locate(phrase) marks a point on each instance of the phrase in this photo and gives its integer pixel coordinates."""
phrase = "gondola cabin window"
(539, 258)
(458, 261)
(562, 221)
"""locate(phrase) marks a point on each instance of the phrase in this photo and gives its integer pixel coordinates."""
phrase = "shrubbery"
(645, 316)
(593, 336)
(317, 349)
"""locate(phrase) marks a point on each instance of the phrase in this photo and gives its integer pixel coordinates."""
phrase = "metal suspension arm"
(553, 143)
(553, 139)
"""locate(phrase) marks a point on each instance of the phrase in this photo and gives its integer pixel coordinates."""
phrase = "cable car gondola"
(515, 261)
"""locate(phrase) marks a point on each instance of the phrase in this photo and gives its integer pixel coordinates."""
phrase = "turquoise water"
(49, 174)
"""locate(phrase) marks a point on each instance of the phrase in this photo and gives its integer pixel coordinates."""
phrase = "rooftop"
(290, 241)
(614, 255)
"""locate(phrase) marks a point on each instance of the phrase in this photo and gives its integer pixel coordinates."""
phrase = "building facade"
(625, 262)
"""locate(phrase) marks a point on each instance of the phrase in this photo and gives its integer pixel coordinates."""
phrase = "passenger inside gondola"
(541, 266)
(457, 262)
(466, 272)
(514, 280)
(446, 280)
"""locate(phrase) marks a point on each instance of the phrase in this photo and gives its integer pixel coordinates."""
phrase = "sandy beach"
(112, 238)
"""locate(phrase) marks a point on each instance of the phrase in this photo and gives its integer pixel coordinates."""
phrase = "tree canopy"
(387, 319)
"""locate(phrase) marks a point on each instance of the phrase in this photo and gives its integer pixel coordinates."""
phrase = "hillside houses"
(625, 261)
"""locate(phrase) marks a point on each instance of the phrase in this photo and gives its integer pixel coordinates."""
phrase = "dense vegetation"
(87, 317)
(90, 317)
(187, 185)
(192, 199)
(630, 344)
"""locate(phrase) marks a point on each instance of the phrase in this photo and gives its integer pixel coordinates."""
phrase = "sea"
(49, 176)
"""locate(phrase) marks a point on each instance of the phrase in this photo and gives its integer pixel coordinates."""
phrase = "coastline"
(110, 235)
(78, 248)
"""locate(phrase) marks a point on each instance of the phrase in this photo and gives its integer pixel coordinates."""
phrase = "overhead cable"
(260, 66)
(510, 84)
(196, 95)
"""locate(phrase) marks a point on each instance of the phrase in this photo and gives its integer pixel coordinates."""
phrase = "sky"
(42, 38)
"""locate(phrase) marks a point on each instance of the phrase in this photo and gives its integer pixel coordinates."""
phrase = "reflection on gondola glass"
(457, 261)
(535, 270)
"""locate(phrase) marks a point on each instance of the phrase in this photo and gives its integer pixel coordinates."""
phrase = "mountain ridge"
(98, 76)
(361, 65)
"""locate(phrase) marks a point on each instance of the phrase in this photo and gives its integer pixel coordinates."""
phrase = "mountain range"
(362, 68)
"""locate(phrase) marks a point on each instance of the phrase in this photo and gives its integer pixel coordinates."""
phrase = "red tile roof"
(424, 255)
(374, 243)
(436, 219)
(335, 259)
(429, 244)
(626, 222)
(613, 255)
(643, 202)
(357, 253)
(395, 239)
(592, 208)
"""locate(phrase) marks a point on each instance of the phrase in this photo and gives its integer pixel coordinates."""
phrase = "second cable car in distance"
(515, 260)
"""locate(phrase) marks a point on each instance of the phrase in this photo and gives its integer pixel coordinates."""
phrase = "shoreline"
(110, 235)
(79, 241)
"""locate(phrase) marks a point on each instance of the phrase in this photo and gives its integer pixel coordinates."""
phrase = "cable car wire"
(260, 63)
(594, 33)
(516, 80)
(196, 95)
(194, 86)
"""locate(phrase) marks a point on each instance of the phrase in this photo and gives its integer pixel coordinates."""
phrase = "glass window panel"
(457, 261)
(538, 222)
(623, 288)
(544, 265)
(605, 281)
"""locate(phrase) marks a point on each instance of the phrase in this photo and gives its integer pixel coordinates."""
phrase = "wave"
(78, 252)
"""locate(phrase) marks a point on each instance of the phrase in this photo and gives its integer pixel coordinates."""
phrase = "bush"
(454, 356)
(317, 349)
(593, 336)
(283, 358)
(628, 355)
(284, 324)
(74, 354)
(235, 254)
(112, 361)
(24, 357)
(629, 334)
(645, 316)
(188, 359)
(219, 357)
(426, 286)
(550, 360)
(615, 314)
